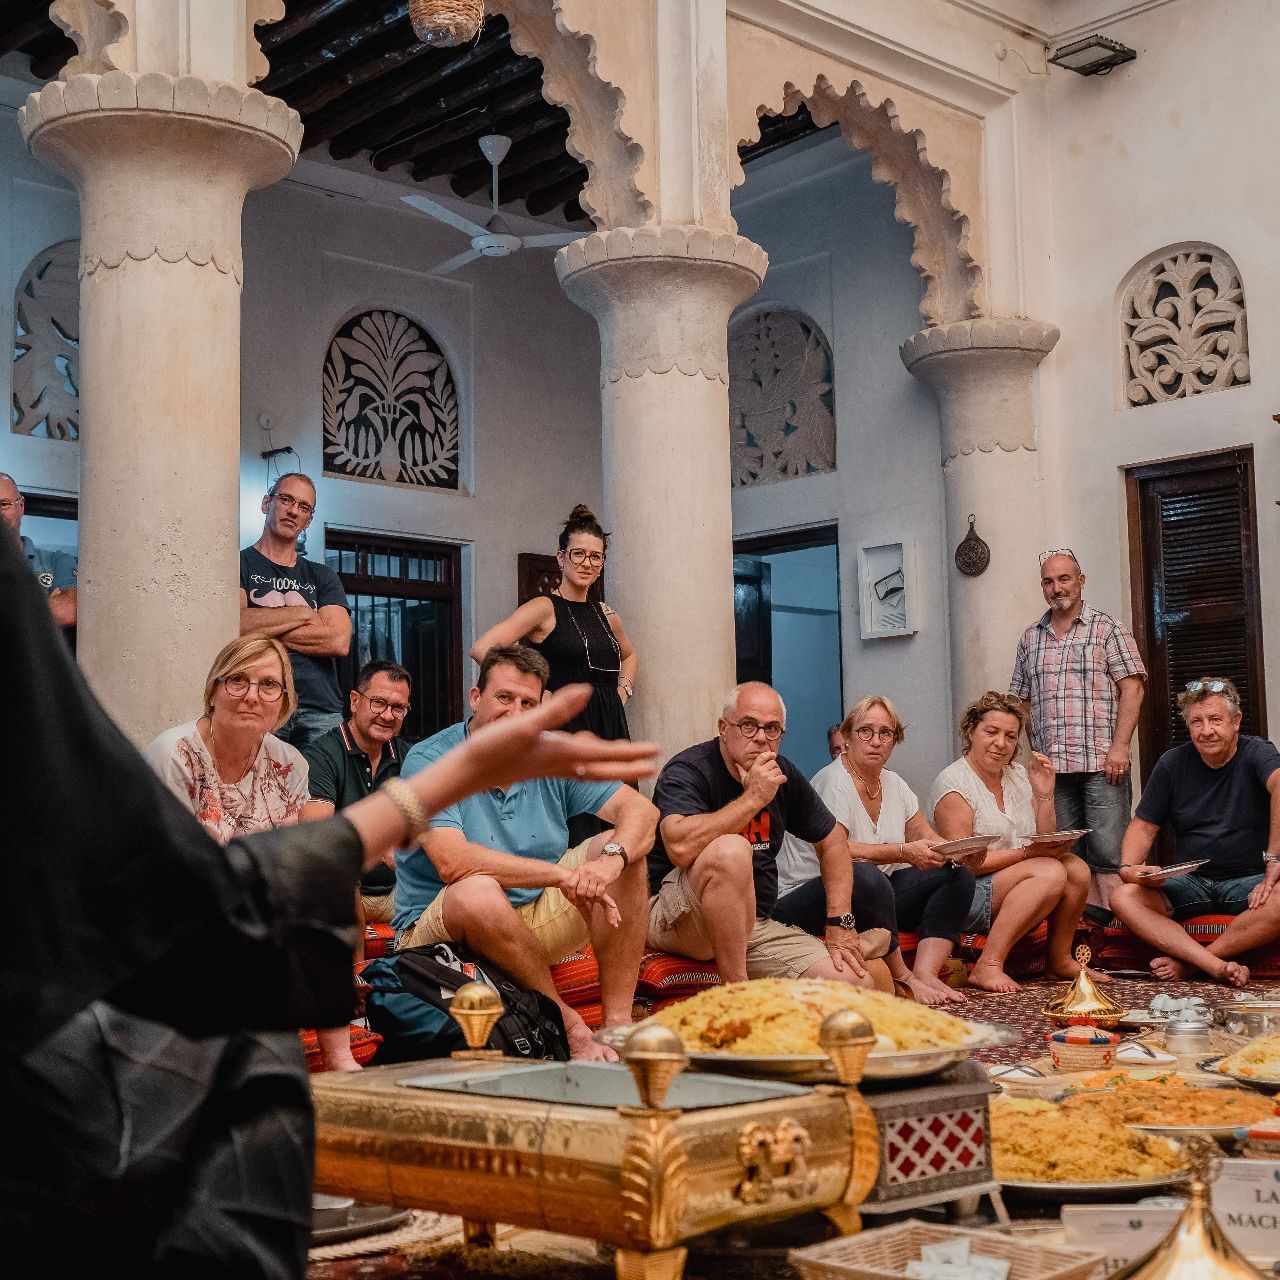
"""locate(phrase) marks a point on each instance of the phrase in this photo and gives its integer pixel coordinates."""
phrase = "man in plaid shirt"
(1080, 673)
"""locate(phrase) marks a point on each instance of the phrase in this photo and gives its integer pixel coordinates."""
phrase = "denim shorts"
(979, 920)
(1193, 895)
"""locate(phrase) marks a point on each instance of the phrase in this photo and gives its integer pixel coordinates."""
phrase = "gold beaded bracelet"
(416, 820)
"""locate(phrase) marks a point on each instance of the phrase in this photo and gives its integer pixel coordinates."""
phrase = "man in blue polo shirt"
(495, 872)
(54, 570)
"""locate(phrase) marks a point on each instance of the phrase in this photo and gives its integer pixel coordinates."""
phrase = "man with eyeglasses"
(724, 807)
(355, 759)
(1079, 673)
(1220, 795)
(55, 571)
(299, 602)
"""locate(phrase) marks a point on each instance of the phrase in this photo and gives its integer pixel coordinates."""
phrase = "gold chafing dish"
(590, 1151)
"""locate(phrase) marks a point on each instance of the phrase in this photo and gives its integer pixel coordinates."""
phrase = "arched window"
(390, 404)
(781, 418)
(1183, 325)
(46, 345)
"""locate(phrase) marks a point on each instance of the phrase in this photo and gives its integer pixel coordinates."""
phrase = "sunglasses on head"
(1200, 686)
(1057, 551)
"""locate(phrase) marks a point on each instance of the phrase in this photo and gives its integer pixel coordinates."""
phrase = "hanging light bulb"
(442, 23)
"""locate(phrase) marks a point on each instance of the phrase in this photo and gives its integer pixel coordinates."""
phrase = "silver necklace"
(586, 644)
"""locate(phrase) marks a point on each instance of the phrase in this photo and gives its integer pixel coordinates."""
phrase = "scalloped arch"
(899, 157)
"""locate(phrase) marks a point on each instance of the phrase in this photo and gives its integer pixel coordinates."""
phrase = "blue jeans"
(1193, 895)
(1089, 800)
(306, 725)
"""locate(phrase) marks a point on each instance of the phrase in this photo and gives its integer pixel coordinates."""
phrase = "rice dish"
(1142, 1102)
(1035, 1141)
(1258, 1060)
(783, 1016)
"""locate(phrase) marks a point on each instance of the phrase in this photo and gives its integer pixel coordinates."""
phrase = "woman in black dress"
(583, 640)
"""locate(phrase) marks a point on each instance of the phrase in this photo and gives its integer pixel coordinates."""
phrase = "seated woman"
(985, 794)
(234, 774)
(898, 879)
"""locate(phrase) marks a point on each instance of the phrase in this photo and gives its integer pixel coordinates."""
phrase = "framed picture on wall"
(886, 589)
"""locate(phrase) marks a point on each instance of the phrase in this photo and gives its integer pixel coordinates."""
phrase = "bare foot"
(584, 1047)
(338, 1063)
(1167, 969)
(1233, 973)
(924, 992)
(1069, 968)
(944, 993)
(989, 976)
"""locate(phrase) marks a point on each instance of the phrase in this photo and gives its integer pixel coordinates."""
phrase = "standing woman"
(583, 640)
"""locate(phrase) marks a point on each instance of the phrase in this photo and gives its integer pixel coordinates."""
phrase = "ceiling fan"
(495, 239)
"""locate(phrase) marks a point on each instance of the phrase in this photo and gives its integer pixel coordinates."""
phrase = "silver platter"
(1085, 1191)
(1212, 1065)
(1193, 1130)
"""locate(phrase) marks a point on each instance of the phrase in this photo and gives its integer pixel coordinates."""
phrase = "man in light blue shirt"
(54, 570)
(495, 872)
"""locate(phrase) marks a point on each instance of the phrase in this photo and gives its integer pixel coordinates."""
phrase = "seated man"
(1218, 793)
(494, 874)
(724, 808)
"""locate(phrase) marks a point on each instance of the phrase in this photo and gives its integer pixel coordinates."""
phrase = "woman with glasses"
(234, 774)
(899, 881)
(583, 640)
(985, 793)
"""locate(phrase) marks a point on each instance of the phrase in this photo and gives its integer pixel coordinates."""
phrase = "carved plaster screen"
(1184, 326)
(390, 404)
(46, 345)
(781, 418)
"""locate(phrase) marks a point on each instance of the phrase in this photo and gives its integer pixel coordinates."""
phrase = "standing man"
(54, 570)
(349, 762)
(1080, 674)
(300, 603)
(724, 806)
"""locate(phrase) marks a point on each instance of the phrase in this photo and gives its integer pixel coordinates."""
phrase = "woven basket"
(883, 1254)
(446, 22)
(1082, 1057)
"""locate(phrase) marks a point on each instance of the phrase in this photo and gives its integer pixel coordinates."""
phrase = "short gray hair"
(1209, 687)
(731, 699)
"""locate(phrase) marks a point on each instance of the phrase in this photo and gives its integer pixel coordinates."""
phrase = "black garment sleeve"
(807, 814)
(683, 790)
(1157, 796)
(324, 760)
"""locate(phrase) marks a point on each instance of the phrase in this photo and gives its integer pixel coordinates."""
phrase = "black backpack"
(408, 1006)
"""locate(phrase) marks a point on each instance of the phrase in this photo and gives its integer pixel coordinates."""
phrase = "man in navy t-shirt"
(300, 603)
(724, 807)
(1218, 793)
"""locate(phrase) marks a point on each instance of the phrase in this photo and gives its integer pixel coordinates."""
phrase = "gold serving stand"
(588, 1150)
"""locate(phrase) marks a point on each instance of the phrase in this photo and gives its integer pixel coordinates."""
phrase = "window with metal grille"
(406, 607)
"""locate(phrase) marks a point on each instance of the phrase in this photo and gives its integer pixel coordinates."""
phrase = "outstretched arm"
(533, 620)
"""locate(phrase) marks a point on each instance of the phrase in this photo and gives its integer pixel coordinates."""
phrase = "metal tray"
(966, 847)
(1173, 872)
(1211, 1065)
(1055, 837)
(1193, 1130)
(1088, 1191)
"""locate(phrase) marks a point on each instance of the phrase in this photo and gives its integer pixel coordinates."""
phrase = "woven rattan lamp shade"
(446, 22)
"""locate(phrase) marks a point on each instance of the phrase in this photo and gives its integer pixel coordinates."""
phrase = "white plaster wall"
(525, 359)
(1169, 148)
(836, 252)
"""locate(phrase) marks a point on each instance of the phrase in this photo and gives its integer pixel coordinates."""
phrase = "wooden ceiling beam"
(502, 73)
(22, 28)
(539, 148)
(395, 80)
(327, 51)
(438, 151)
(547, 198)
(301, 18)
(540, 178)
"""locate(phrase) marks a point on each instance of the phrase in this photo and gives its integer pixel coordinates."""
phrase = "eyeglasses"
(750, 728)
(1057, 551)
(6, 503)
(289, 502)
(380, 705)
(1199, 686)
(869, 733)
(580, 556)
(269, 690)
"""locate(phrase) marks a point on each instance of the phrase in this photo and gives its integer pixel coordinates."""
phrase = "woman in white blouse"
(985, 794)
(898, 879)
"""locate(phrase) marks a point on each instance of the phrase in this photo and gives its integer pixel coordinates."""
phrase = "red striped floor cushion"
(665, 977)
(379, 940)
(364, 1044)
(577, 978)
(1123, 950)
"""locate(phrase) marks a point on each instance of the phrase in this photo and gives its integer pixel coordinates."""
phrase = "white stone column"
(983, 373)
(162, 163)
(662, 297)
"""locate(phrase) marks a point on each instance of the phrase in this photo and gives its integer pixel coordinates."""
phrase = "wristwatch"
(845, 921)
(614, 849)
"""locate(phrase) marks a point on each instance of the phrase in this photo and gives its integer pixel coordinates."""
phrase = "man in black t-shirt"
(1220, 793)
(724, 807)
(300, 603)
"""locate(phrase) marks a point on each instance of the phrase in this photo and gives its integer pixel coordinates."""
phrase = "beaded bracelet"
(401, 794)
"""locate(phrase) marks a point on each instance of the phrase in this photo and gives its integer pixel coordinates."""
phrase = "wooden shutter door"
(1193, 548)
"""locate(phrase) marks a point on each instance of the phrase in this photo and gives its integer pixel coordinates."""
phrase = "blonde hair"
(243, 652)
(859, 711)
(984, 706)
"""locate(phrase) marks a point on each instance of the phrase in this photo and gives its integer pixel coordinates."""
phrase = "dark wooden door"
(1194, 571)
(752, 621)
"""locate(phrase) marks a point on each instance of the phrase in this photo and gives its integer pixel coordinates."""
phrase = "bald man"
(55, 571)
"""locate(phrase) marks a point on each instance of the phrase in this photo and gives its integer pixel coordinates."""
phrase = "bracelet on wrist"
(416, 820)
(624, 683)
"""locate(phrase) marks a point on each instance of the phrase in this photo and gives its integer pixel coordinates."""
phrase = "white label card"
(1120, 1232)
(1246, 1198)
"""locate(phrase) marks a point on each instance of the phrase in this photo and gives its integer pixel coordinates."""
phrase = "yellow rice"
(782, 1015)
(1258, 1060)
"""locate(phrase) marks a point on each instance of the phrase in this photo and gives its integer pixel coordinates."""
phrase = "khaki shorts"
(378, 908)
(677, 923)
(554, 920)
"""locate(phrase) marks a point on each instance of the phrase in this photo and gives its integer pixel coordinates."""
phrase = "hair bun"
(580, 512)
